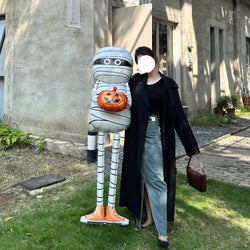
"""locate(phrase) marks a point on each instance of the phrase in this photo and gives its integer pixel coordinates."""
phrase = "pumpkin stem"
(115, 88)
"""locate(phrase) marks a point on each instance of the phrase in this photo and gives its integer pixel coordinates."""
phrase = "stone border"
(75, 149)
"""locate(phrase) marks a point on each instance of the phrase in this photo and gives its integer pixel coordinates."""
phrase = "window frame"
(248, 51)
(169, 43)
(2, 39)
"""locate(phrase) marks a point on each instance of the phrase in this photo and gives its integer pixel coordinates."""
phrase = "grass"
(216, 120)
(212, 120)
(217, 219)
(243, 111)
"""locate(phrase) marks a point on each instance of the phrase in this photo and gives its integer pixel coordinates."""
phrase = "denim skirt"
(152, 176)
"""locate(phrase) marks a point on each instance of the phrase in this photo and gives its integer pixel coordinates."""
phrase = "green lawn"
(217, 219)
(244, 111)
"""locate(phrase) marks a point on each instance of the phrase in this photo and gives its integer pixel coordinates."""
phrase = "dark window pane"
(154, 38)
(162, 39)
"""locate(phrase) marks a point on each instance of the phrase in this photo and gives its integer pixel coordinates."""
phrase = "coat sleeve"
(184, 130)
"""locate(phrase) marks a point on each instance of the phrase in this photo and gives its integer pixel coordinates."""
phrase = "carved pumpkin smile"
(112, 101)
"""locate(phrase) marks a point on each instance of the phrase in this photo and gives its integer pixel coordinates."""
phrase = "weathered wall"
(204, 81)
(217, 15)
(48, 68)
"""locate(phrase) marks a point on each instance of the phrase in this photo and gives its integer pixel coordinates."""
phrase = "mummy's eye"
(107, 61)
(118, 62)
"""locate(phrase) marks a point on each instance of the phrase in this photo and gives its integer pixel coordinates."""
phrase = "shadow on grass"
(217, 219)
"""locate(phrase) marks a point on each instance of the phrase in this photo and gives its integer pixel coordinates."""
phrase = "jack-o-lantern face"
(112, 101)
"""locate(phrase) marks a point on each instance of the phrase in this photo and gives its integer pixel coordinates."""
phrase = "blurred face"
(146, 64)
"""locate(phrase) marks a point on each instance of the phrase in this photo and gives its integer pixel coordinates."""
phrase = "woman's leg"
(149, 221)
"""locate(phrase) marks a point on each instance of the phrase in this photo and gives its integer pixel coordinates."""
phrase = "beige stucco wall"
(229, 70)
(48, 71)
(48, 68)
(167, 10)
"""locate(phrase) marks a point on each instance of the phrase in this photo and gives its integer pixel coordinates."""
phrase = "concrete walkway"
(226, 159)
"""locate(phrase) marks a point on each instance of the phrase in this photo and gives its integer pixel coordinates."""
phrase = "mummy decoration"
(109, 112)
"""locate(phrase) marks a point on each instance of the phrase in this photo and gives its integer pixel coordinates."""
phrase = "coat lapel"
(169, 100)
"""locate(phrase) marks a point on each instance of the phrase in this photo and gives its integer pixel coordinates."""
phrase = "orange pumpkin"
(112, 101)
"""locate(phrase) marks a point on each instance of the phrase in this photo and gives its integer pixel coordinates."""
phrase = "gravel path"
(203, 136)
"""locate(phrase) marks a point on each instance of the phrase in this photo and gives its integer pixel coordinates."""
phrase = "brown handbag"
(195, 179)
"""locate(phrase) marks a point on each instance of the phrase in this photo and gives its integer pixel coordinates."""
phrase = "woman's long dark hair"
(143, 51)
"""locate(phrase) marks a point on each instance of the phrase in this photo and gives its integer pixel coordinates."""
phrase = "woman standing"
(149, 171)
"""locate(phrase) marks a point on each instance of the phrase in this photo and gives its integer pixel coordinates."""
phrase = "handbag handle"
(201, 165)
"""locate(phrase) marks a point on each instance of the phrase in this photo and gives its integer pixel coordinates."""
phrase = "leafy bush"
(235, 101)
(223, 102)
(10, 137)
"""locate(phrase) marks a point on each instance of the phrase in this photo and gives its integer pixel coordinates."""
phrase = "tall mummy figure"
(109, 112)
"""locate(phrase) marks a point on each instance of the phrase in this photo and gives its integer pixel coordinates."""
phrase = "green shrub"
(235, 101)
(223, 102)
(10, 137)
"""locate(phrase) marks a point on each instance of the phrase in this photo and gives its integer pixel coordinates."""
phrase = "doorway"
(162, 45)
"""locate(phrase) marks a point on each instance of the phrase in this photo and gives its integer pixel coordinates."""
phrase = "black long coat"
(173, 119)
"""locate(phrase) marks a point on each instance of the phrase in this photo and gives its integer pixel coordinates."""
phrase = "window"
(248, 51)
(162, 45)
(73, 13)
(221, 51)
(212, 53)
(145, 1)
(2, 50)
(136, 2)
(2, 60)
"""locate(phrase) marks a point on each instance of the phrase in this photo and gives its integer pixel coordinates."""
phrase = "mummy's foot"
(113, 218)
(97, 217)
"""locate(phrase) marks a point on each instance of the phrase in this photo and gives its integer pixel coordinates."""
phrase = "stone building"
(46, 50)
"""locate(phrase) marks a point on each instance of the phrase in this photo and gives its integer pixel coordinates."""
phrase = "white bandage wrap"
(100, 168)
(114, 169)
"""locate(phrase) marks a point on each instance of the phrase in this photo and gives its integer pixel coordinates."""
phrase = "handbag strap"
(201, 165)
